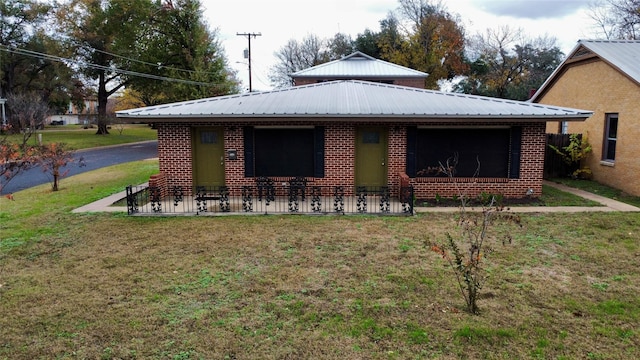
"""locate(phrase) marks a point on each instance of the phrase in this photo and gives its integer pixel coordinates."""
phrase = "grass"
(600, 189)
(271, 287)
(550, 197)
(76, 137)
(554, 197)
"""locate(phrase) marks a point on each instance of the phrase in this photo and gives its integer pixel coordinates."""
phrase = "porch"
(268, 198)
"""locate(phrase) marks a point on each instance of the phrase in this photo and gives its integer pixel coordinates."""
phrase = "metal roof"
(355, 99)
(623, 55)
(359, 64)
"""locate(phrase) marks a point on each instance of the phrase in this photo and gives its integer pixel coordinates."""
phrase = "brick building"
(355, 133)
(359, 66)
(604, 77)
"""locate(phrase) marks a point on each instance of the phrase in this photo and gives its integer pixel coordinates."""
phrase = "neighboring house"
(74, 115)
(355, 133)
(602, 76)
(359, 66)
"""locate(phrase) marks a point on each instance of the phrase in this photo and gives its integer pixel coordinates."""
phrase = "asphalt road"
(93, 159)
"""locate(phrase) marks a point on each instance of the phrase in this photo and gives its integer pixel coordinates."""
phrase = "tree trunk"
(56, 176)
(103, 97)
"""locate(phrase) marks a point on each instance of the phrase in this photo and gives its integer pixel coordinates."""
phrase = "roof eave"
(364, 117)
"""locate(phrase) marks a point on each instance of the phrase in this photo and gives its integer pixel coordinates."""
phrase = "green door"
(371, 156)
(208, 157)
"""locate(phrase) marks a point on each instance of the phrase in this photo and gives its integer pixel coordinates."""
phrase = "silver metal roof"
(623, 55)
(359, 65)
(355, 99)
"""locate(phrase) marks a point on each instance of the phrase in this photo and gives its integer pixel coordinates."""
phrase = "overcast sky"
(281, 20)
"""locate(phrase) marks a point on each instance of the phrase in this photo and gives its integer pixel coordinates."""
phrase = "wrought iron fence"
(269, 198)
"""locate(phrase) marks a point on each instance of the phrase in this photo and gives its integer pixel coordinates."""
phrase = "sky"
(279, 21)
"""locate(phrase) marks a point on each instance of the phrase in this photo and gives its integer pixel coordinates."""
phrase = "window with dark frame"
(208, 137)
(286, 152)
(610, 137)
(480, 152)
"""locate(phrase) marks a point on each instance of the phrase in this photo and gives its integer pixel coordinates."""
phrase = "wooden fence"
(554, 166)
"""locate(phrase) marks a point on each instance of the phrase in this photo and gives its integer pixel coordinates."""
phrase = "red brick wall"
(174, 150)
(160, 181)
(531, 170)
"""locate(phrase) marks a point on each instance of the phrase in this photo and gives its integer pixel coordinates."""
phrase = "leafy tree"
(506, 65)
(433, 41)
(341, 45)
(98, 29)
(130, 99)
(18, 18)
(52, 158)
(25, 62)
(367, 42)
(390, 39)
(14, 159)
(178, 45)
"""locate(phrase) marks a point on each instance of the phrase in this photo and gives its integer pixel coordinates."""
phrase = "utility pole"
(249, 36)
(2, 101)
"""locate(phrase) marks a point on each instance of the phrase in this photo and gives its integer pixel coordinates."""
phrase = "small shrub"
(466, 252)
(573, 154)
(468, 263)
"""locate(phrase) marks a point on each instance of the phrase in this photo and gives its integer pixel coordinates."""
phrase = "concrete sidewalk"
(608, 205)
(104, 205)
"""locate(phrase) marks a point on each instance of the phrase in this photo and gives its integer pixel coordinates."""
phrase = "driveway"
(94, 158)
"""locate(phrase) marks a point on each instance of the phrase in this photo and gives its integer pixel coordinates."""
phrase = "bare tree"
(27, 113)
(616, 19)
(296, 56)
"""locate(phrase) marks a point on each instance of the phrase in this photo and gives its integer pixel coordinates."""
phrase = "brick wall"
(160, 181)
(596, 86)
(175, 147)
(174, 152)
(531, 171)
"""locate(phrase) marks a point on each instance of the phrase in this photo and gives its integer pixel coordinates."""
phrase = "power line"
(157, 65)
(44, 56)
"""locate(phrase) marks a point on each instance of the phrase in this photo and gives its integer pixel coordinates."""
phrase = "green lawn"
(105, 286)
(554, 197)
(76, 137)
(600, 189)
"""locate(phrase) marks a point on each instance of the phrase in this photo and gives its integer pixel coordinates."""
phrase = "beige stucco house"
(602, 76)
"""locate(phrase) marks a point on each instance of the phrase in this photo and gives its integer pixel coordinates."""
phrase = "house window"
(371, 137)
(286, 152)
(208, 137)
(564, 127)
(610, 137)
(480, 152)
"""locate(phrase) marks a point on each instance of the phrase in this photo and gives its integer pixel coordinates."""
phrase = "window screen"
(284, 152)
(483, 150)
